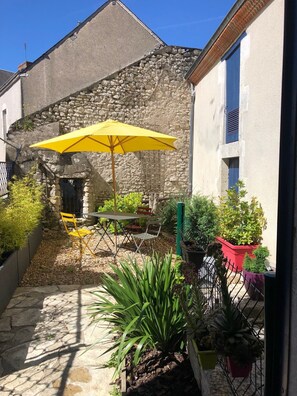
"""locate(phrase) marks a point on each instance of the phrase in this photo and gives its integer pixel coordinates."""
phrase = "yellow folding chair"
(82, 235)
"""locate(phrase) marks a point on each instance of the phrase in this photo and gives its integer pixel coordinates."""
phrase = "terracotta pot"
(237, 370)
(235, 253)
(254, 284)
(191, 253)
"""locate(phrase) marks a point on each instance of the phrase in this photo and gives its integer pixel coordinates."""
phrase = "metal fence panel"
(252, 310)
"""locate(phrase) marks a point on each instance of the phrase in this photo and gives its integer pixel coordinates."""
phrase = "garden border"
(15, 266)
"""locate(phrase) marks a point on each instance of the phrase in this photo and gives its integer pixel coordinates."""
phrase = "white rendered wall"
(260, 105)
(11, 102)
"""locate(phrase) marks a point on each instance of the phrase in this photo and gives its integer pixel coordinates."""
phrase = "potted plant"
(20, 214)
(241, 224)
(233, 336)
(253, 272)
(236, 341)
(197, 313)
(201, 227)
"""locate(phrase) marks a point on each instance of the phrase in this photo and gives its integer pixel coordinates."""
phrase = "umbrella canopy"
(109, 137)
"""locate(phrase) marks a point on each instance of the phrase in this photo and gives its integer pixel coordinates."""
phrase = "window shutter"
(232, 95)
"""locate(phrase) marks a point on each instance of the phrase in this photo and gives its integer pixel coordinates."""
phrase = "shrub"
(240, 222)
(201, 220)
(142, 308)
(125, 203)
(21, 214)
(167, 211)
(256, 264)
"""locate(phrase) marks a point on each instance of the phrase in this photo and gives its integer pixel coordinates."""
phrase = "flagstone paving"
(45, 339)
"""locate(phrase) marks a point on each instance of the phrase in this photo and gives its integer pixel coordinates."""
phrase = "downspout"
(191, 143)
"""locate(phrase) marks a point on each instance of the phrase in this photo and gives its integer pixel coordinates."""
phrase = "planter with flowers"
(241, 224)
(253, 272)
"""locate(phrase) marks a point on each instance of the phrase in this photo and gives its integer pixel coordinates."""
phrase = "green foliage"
(125, 203)
(115, 391)
(240, 222)
(167, 211)
(21, 214)
(201, 225)
(142, 308)
(256, 264)
(233, 335)
(26, 124)
(197, 313)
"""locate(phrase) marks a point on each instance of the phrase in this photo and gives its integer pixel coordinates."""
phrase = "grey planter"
(14, 267)
(23, 261)
(8, 279)
(35, 240)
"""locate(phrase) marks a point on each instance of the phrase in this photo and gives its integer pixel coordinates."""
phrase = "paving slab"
(46, 336)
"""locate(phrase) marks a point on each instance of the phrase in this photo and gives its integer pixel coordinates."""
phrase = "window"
(233, 171)
(232, 93)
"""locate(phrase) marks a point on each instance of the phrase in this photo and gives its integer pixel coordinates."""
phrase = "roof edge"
(13, 79)
(237, 20)
(140, 21)
(162, 49)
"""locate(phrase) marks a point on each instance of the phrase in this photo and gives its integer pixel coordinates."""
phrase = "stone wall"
(152, 94)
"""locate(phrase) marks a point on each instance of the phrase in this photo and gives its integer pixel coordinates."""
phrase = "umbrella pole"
(114, 198)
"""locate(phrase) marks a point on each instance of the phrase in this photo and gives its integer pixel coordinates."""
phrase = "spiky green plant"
(142, 307)
(233, 335)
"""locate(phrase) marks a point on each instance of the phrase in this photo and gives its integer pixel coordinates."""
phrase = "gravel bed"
(56, 262)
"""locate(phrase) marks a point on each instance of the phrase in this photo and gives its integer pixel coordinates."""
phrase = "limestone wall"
(153, 94)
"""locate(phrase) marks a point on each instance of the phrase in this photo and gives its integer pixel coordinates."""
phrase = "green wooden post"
(180, 226)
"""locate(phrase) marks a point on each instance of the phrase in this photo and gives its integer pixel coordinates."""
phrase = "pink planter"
(254, 284)
(235, 254)
(237, 370)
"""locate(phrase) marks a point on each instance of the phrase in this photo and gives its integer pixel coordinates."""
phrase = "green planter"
(207, 359)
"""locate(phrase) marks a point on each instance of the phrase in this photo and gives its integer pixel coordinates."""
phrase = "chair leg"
(138, 245)
(86, 243)
(83, 245)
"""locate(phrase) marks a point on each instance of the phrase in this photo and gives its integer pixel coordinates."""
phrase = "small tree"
(21, 214)
(240, 222)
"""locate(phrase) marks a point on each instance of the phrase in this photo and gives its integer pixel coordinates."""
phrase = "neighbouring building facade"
(152, 93)
(237, 80)
(107, 41)
(10, 106)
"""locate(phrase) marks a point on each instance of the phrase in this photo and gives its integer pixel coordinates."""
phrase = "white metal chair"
(153, 229)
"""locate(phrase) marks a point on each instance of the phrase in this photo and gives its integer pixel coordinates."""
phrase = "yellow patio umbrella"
(109, 137)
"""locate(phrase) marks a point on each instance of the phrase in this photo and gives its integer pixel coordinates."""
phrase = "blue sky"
(39, 24)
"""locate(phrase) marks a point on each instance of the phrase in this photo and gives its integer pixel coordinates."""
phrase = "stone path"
(45, 335)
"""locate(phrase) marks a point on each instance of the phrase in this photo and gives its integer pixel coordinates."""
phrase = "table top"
(116, 215)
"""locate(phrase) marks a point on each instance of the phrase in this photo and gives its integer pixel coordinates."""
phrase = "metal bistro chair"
(136, 226)
(82, 235)
(152, 232)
